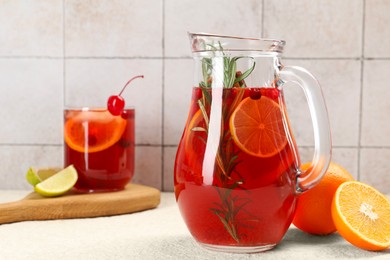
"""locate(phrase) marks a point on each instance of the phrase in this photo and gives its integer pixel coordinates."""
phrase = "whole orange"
(313, 210)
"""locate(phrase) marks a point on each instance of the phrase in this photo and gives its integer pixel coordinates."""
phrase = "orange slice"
(361, 215)
(98, 127)
(196, 122)
(257, 127)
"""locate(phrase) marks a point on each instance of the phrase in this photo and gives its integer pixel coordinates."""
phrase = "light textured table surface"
(153, 234)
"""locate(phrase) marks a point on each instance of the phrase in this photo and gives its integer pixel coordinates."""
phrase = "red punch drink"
(101, 148)
(235, 168)
(237, 172)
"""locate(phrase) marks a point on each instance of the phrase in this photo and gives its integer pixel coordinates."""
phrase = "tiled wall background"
(48, 47)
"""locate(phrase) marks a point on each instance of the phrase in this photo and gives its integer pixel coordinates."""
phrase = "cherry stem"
(128, 82)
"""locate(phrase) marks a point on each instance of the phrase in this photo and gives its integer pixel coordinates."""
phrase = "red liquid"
(107, 170)
(255, 206)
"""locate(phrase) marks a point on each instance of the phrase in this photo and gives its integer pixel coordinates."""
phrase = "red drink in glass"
(101, 148)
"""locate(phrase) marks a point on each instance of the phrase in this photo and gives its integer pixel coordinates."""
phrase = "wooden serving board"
(74, 205)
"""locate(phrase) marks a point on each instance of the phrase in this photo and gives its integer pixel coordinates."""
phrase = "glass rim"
(200, 41)
(94, 108)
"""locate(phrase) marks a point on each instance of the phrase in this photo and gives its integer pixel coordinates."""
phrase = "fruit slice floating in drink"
(93, 131)
(257, 127)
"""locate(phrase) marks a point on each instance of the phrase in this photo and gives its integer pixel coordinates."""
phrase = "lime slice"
(58, 184)
(35, 176)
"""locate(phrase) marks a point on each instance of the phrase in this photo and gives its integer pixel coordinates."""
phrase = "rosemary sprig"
(204, 113)
(229, 69)
(226, 158)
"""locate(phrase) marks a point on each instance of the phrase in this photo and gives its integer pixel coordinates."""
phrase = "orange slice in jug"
(92, 130)
(257, 127)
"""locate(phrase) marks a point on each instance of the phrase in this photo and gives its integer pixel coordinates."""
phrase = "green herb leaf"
(246, 73)
(229, 68)
(204, 113)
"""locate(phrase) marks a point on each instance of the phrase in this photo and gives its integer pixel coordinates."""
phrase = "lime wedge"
(35, 176)
(58, 184)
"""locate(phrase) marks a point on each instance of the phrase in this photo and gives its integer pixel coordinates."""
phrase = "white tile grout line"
(361, 93)
(162, 95)
(63, 61)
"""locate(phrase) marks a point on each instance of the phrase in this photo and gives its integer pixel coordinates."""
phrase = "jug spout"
(203, 42)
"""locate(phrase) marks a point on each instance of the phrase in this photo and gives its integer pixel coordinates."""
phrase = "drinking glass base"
(238, 249)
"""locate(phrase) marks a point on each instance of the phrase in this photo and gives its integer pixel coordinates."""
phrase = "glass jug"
(237, 169)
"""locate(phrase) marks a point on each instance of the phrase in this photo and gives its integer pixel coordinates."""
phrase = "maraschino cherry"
(116, 103)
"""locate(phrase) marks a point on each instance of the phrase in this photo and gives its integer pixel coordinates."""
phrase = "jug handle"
(319, 116)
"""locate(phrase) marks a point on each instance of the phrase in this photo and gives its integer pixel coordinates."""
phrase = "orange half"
(257, 127)
(93, 130)
(361, 215)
